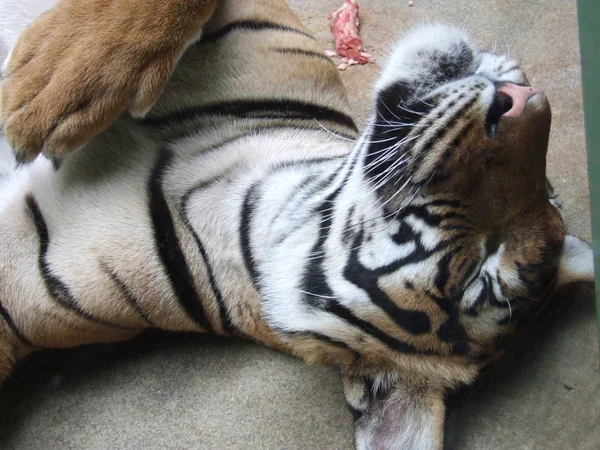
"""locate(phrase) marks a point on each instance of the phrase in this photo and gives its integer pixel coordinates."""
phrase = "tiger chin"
(250, 206)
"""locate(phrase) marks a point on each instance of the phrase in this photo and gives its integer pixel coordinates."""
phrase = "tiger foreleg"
(82, 64)
(395, 413)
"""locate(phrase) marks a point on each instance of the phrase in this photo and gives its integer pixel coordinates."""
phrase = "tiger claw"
(20, 157)
(56, 163)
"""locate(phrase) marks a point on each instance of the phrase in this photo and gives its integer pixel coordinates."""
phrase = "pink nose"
(519, 95)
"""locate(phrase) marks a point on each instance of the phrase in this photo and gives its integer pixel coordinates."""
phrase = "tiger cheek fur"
(244, 205)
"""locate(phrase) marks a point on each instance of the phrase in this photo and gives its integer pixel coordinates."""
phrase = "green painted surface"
(589, 33)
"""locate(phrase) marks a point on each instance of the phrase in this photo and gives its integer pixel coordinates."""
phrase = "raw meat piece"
(345, 32)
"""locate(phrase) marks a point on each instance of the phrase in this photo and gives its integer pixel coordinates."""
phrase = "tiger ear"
(398, 416)
(576, 262)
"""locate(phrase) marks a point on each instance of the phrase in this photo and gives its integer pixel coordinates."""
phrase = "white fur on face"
(408, 61)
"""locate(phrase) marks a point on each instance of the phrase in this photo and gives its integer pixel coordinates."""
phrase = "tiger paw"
(82, 64)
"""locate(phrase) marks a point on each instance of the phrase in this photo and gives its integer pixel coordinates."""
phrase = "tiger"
(241, 199)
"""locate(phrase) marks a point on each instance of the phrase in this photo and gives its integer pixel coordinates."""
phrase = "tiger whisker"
(334, 133)
(408, 110)
(317, 295)
(367, 142)
(403, 108)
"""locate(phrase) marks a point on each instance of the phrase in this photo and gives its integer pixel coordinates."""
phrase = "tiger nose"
(520, 95)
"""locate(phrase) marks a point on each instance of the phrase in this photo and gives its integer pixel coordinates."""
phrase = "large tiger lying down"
(246, 203)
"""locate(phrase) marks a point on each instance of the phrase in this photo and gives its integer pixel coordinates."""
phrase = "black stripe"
(321, 210)
(245, 238)
(452, 330)
(250, 25)
(406, 234)
(302, 52)
(258, 108)
(508, 70)
(444, 273)
(418, 255)
(470, 273)
(226, 321)
(344, 313)
(314, 280)
(439, 135)
(127, 294)
(323, 338)
(356, 414)
(431, 219)
(349, 231)
(56, 288)
(168, 248)
(414, 322)
(11, 324)
(440, 174)
(491, 295)
(481, 297)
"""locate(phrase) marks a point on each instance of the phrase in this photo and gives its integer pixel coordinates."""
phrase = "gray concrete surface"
(190, 392)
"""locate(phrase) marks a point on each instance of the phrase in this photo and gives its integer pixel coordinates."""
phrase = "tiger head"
(457, 153)
(455, 236)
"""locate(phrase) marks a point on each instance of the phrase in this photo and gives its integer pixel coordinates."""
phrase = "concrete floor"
(189, 392)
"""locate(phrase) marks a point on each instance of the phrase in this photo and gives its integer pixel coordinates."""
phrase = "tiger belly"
(63, 262)
(148, 238)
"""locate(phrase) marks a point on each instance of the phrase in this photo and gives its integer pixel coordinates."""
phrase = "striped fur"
(247, 204)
